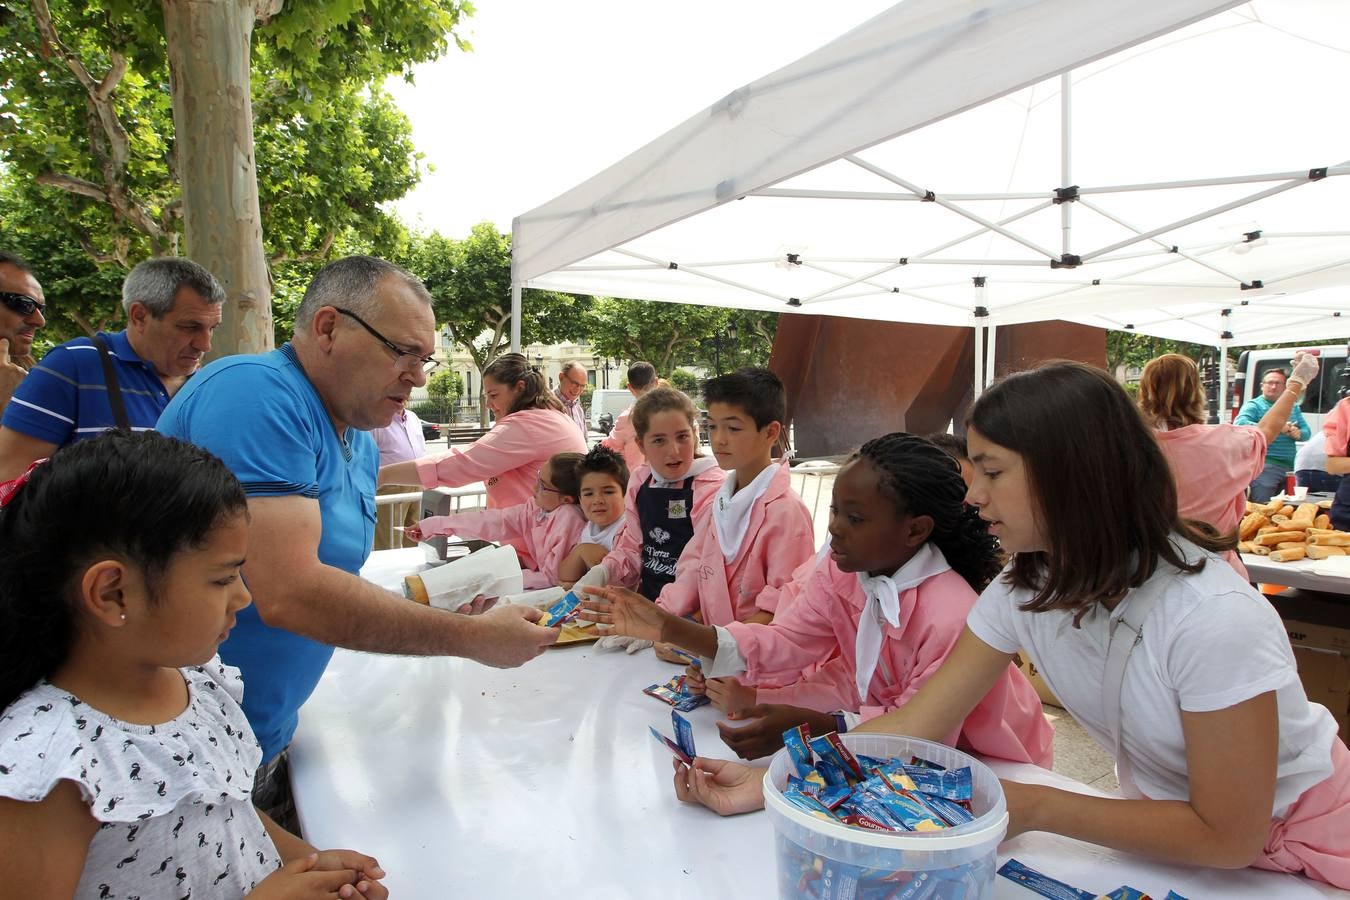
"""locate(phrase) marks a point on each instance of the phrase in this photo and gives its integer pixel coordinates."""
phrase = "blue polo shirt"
(263, 417)
(1282, 450)
(64, 398)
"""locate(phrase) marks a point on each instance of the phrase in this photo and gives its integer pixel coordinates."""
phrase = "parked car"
(431, 431)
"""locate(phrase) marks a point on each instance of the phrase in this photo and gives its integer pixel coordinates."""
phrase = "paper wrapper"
(491, 572)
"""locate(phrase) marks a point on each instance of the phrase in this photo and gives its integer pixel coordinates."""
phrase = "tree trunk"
(209, 65)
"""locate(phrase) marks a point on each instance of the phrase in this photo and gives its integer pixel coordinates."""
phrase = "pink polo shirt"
(1212, 465)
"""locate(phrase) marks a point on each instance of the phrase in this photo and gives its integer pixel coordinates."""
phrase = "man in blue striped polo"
(119, 379)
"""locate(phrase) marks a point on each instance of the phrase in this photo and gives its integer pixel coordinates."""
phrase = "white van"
(1318, 399)
(608, 401)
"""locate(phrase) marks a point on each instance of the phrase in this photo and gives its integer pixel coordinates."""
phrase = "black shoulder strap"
(119, 411)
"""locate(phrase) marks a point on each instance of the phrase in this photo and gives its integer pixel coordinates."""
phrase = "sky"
(555, 92)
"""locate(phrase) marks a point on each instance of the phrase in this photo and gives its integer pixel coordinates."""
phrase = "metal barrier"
(459, 495)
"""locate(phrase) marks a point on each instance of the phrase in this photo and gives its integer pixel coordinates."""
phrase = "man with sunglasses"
(571, 384)
(21, 315)
(120, 379)
(293, 425)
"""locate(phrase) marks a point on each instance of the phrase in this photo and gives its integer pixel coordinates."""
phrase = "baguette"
(1289, 545)
(1293, 553)
(1335, 539)
(1260, 550)
(1305, 513)
(1250, 523)
(1323, 521)
(1318, 552)
(1279, 537)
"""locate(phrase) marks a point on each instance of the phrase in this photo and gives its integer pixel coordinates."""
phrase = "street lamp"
(595, 367)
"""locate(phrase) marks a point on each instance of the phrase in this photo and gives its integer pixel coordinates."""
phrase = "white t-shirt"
(1212, 642)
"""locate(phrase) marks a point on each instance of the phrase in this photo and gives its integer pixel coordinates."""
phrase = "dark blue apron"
(666, 515)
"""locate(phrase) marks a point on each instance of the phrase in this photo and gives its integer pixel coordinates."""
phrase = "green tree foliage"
(445, 387)
(667, 334)
(684, 380)
(87, 138)
(470, 282)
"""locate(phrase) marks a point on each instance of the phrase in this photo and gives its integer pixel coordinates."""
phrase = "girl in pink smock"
(1211, 464)
(548, 524)
(668, 495)
(531, 427)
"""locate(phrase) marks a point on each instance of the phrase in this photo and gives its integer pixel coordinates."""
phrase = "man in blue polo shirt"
(292, 425)
(1281, 452)
(172, 305)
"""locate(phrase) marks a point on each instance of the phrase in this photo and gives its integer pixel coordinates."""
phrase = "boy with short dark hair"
(602, 480)
(759, 530)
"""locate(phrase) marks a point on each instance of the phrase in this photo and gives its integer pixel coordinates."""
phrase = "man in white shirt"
(571, 383)
(399, 441)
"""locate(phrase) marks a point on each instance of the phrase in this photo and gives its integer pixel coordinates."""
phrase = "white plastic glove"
(621, 642)
(1305, 368)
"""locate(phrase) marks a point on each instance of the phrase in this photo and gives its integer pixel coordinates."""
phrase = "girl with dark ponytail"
(531, 427)
(876, 615)
(119, 725)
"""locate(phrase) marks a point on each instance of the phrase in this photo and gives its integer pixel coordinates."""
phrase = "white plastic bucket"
(831, 861)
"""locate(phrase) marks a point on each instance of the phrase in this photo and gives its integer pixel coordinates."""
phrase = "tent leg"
(515, 318)
(1065, 154)
(1223, 381)
(979, 359)
(990, 372)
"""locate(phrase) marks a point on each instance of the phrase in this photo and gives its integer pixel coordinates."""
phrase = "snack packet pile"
(1052, 889)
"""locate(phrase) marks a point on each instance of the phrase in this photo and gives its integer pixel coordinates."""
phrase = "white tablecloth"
(1298, 574)
(543, 781)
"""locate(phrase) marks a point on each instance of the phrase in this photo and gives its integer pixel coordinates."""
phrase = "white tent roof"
(908, 171)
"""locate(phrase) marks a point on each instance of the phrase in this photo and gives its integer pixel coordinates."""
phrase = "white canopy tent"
(1176, 168)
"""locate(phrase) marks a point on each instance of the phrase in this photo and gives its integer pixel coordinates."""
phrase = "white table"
(543, 781)
(1298, 574)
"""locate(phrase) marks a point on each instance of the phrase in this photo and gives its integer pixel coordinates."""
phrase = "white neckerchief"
(602, 536)
(731, 510)
(697, 468)
(883, 604)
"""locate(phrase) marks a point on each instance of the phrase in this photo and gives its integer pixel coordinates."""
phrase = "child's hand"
(664, 652)
(725, 787)
(729, 695)
(413, 533)
(301, 879)
(367, 870)
(621, 611)
(694, 683)
(764, 735)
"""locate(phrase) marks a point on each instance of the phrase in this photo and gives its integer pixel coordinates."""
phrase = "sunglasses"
(21, 303)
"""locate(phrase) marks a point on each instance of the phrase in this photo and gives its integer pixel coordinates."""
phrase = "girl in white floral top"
(126, 763)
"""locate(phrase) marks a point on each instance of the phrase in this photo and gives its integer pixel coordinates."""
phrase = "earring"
(124, 617)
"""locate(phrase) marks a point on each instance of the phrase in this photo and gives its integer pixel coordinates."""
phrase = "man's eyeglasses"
(574, 383)
(21, 303)
(404, 359)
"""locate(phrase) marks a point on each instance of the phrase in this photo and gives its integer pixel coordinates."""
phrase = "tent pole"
(979, 359)
(990, 370)
(1225, 336)
(515, 317)
(1065, 153)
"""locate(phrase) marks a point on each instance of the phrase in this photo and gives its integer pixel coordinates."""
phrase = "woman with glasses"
(530, 428)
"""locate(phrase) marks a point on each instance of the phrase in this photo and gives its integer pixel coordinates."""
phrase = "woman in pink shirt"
(531, 427)
(1212, 464)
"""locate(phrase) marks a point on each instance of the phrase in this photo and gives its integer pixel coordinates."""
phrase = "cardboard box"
(1034, 676)
(1319, 631)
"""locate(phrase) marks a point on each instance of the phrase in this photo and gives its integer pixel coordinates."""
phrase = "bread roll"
(1287, 510)
(1333, 539)
(1316, 552)
(1279, 537)
(1293, 553)
(1260, 550)
(1289, 545)
(1250, 523)
(1322, 521)
(1306, 512)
